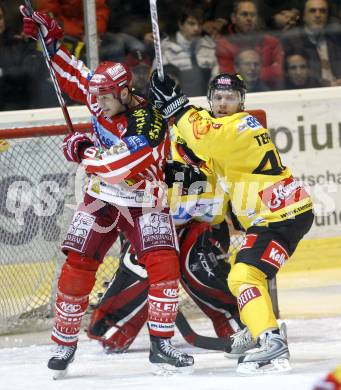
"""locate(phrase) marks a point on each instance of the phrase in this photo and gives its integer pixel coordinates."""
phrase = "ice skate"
(60, 360)
(272, 356)
(241, 342)
(168, 360)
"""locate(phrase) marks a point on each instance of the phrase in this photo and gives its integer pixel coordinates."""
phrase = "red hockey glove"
(50, 29)
(74, 145)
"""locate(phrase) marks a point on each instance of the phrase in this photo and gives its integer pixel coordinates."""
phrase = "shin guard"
(249, 285)
(163, 295)
(74, 285)
(163, 303)
(69, 314)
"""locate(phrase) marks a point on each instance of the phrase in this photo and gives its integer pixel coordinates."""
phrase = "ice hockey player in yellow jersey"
(272, 206)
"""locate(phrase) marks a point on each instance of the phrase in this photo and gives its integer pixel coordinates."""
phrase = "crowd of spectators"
(273, 44)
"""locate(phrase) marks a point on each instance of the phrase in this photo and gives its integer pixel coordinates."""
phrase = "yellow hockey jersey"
(239, 150)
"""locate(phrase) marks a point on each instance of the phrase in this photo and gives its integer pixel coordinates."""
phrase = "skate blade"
(275, 366)
(59, 374)
(163, 369)
(232, 355)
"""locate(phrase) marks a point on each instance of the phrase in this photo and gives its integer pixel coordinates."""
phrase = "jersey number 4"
(271, 164)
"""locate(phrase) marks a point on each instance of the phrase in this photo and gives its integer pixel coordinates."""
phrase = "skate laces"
(168, 349)
(63, 352)
(266, 340)
(241, 338)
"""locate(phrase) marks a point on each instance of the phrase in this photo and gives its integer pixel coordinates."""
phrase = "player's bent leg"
(75, 283)
(249, 285)
(163, 271)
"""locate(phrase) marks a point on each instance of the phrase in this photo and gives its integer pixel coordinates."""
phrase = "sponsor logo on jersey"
(248, 295)
(157, 230)
(171, 292)
(69, 307)
(248, 241)
(105, 136)
(242, 126)
(155, 125)
(136, 142)
(122, 129)
(140, 117)
(283, 194)
(79, 230)
(253, 122)
(194, 116)
(275, 254)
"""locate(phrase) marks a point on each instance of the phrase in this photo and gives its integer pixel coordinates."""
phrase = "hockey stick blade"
(213, 343)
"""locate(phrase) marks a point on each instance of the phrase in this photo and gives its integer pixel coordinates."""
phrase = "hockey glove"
(166, 95)
(74, 145)
(50, 29)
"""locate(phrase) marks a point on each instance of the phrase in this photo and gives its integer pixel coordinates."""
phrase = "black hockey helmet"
(229, 82)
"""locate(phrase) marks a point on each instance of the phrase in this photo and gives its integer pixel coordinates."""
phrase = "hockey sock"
(162, 308)
(249, 285)
(75, 284)
(69, 314)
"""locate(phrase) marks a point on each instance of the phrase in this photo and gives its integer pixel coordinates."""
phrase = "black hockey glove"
(193, 180)
(166, 95)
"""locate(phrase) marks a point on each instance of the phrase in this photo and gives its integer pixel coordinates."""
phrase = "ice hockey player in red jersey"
(125, 159)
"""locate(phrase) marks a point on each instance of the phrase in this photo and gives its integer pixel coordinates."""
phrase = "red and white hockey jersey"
(134, 144)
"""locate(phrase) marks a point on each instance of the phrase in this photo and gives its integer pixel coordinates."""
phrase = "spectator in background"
(192, 53)
(118, 46)
(242, 33)
(14, 80)
(283, 16)
(319, 41)
(298, 74)
(248, 65)
(69, 14)
(140, 65)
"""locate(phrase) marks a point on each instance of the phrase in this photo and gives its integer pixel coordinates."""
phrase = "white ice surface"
(315, 346)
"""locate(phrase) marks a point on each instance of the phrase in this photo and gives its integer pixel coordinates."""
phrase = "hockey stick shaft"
(52, 73)
(156, 38)
(213, 343)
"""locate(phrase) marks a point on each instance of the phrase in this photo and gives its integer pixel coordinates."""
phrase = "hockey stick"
(182, 324)
(213, 343)
(156, 38)
(52, 73)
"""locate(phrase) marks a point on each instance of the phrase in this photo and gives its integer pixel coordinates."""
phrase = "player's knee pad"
(244, 275)
(77, 278)
(162, 265)
(76, 260)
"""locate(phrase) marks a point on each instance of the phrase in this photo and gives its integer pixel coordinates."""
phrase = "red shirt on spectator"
(69, 14)
(268, 47)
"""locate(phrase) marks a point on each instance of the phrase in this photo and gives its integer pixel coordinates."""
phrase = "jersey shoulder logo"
(253, 123)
